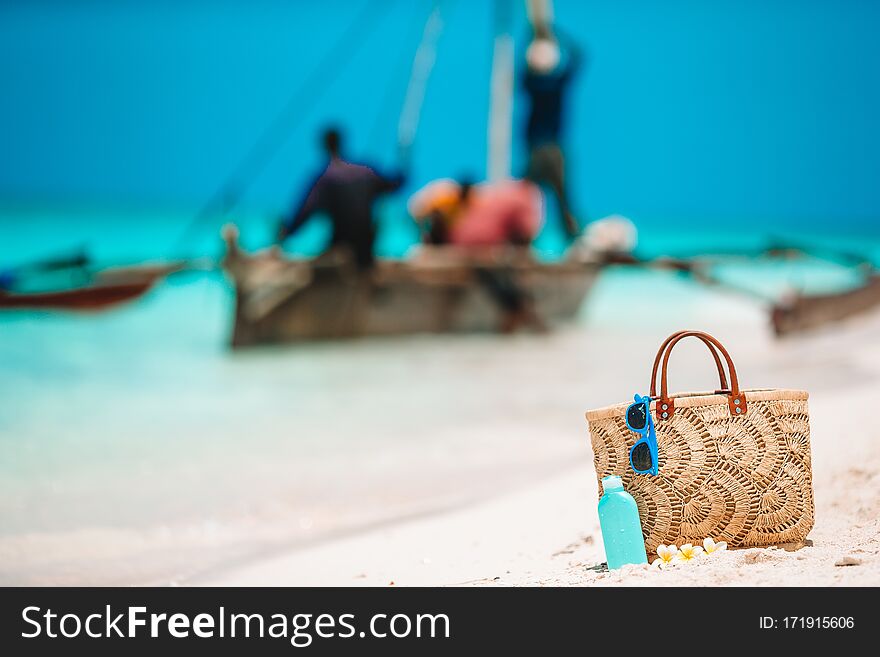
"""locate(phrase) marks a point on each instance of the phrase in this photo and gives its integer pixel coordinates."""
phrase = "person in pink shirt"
(478, 219)
(509, 212)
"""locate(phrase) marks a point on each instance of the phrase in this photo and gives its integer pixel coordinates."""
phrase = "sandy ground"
(426, 461)
(548, 534)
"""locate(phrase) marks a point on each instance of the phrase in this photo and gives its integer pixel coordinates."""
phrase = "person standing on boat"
(548, 74)
(346, 193)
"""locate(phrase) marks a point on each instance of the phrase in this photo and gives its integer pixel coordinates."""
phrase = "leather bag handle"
(736, 401)
(722, 376)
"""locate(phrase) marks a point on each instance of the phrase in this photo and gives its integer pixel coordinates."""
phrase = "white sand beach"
(547, 533)
(425, 461)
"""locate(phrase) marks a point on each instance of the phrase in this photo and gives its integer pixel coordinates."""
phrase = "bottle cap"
(612, 482)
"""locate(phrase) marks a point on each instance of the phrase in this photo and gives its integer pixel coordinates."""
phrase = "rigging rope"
(394, 91)
(423, 64)
(275, 135)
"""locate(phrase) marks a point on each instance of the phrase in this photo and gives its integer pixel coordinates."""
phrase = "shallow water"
(135, 447)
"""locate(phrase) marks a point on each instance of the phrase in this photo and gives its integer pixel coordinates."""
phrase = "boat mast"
(540, 13)
(501, 94)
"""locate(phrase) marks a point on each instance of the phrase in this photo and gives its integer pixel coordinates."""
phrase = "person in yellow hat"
(476, 220)
(507, 212)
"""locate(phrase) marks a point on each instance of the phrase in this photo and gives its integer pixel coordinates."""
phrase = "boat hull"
(811, 312)
(109, 288)
(334, 301)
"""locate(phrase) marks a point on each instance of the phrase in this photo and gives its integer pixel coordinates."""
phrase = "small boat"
(104, 289)
(443, 290)
(806, 312)
(282, 300)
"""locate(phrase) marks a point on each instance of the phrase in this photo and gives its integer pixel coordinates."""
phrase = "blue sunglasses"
(643, 455)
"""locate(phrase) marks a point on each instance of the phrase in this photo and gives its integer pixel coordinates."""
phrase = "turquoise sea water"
(184, 323)
(135, 447)
(693, 110)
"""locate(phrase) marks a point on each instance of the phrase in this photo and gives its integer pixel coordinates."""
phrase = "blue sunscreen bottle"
(621, 527)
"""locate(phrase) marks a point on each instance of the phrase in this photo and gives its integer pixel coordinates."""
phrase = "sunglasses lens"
(641, 457)
(635, 417)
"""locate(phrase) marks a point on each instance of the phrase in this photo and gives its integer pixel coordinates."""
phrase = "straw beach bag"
(734, 464)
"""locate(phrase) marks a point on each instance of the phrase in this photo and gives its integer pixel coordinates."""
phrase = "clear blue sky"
(762, 110)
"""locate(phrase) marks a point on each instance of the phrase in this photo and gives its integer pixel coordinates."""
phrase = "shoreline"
(324, 459)
(546, 533)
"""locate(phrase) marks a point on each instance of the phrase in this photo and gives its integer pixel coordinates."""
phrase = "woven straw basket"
(734, 464)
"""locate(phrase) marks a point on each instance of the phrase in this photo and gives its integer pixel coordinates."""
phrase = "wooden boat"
(105, 289)
(444, 291)
(280, 300)
(805, 312)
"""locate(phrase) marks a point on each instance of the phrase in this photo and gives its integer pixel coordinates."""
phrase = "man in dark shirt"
(346, 193)
(549, 70)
